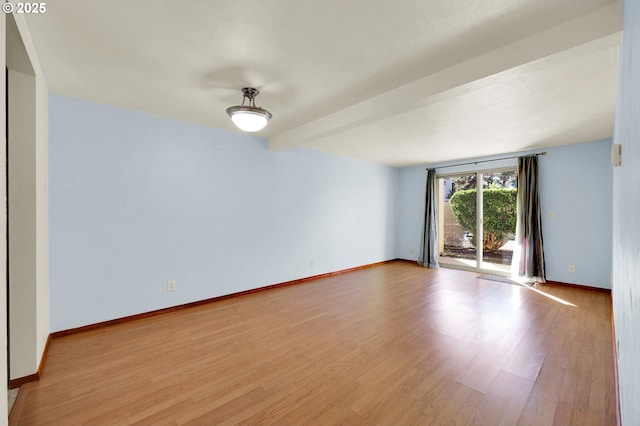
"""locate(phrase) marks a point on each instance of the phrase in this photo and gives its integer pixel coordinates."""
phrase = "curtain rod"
(484, 161)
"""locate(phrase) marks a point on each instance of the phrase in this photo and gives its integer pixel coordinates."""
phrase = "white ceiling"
(395, 82)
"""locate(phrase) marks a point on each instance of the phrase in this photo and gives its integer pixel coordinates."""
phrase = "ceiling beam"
(597, 30)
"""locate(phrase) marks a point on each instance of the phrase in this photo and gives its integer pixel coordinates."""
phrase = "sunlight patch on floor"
(552, 297)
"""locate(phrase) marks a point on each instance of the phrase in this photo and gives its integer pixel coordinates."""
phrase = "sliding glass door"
(457, 221)
(477, 228)
(499, 193)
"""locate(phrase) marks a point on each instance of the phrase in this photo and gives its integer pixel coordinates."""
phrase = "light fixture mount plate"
(250, 92)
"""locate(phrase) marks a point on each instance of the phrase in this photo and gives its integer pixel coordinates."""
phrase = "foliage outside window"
(499, 208)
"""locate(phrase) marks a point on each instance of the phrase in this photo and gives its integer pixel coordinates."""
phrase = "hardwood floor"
(391, 345)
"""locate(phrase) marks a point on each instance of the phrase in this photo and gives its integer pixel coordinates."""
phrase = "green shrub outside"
(499, 207)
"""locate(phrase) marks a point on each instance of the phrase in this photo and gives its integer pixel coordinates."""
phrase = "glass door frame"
(479, 215)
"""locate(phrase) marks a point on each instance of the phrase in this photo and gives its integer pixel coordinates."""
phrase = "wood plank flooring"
(396, 344)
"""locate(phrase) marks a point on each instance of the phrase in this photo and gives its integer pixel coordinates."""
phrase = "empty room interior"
(291, 212)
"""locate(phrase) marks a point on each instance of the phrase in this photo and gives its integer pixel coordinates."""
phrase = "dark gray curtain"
(429, 244)
(530, 259)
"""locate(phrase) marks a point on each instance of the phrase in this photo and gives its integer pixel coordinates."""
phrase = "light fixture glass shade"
(249, 118)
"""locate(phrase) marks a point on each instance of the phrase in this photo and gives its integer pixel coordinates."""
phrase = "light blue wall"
(626, 218)
(137, 200)
(575, 183)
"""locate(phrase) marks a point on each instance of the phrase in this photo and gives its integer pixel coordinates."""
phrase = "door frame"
(479, 214)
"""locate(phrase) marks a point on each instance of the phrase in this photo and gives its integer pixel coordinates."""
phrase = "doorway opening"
(477, 227)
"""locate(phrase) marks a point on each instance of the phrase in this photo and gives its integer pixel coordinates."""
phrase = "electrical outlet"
(411, 250)
(552, 215)
(311, 264)
(171, 285)
(572, 268)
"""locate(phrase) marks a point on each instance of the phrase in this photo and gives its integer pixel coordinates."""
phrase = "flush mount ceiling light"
(249, 118)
